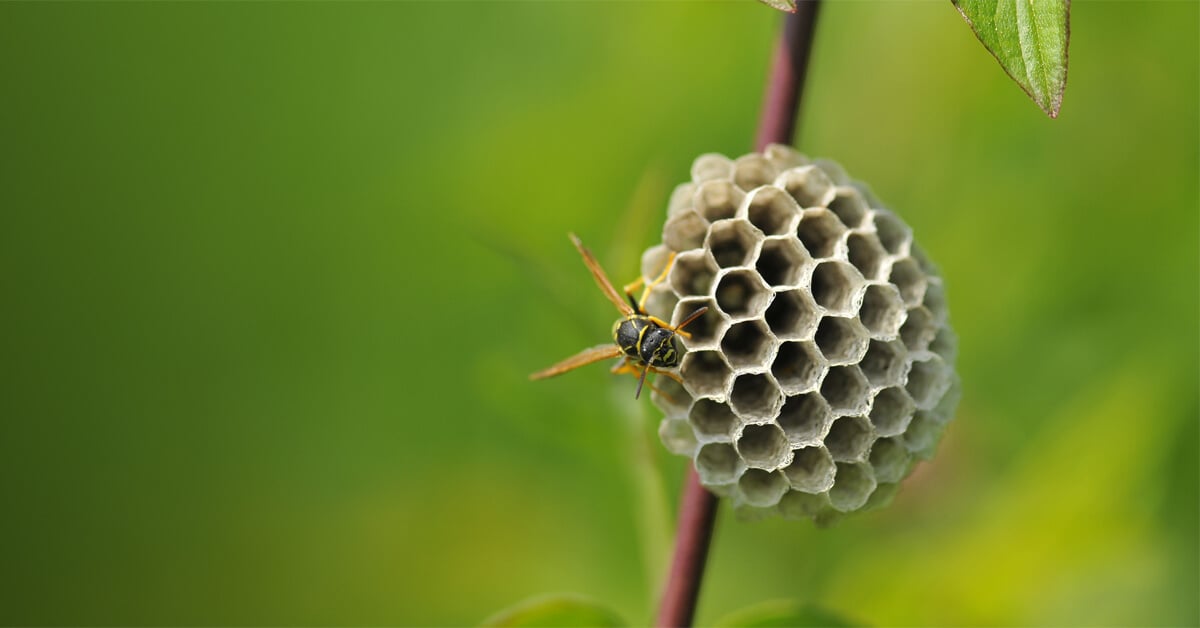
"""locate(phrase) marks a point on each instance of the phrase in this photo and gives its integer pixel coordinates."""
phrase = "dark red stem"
(698, 509)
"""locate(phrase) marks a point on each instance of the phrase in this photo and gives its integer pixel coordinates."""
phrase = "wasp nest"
(824, 367)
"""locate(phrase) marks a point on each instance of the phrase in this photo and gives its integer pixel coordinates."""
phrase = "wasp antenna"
(641, 380)
(697, 314)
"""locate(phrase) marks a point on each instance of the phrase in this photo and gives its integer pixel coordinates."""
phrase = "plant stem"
(698, 508)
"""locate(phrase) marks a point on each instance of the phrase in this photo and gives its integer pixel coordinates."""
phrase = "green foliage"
(784, 613)
(1029, 39)
(556, 610)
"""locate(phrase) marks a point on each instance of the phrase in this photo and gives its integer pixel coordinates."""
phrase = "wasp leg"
(638, 371)
(640, 304)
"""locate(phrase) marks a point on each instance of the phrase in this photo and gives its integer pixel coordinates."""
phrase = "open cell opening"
(893, 233)
(741, 294)
(732, 242)
(747, 344)
(782, 262)
(820, 231)
(685, 231)
(809, 185)
(907, 276)
(717, 463)
(705, 374)
(718, 200)
(705, 330)
(692, 273)
(849, 438)
(841, 340)
(866, 253)
(918, 329)
(755, 397)
(845, 389)
(890, 459)
(835, 286)
(797, 367)
(891, 411)
(772, 211)
(764, 446)
(712, 418)
(811, 471)
(849, 207)
(762, 488)
(882, 311)
(852, 486)
(753, 170)
(805, 418)
(927, 381)
(884, 363)
(792, 315)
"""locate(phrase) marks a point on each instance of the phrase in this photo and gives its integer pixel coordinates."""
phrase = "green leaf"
(556, 610)
(1029, 39)
(774, 613)
(782, 5)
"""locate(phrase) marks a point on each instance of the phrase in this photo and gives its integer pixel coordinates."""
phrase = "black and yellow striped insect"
(647, 343)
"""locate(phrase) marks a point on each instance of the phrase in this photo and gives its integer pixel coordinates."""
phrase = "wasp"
(646, 343)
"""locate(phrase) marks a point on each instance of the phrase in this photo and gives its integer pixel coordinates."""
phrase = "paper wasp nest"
(824, 367)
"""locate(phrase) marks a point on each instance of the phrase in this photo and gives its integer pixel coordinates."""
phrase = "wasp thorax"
(824, 366)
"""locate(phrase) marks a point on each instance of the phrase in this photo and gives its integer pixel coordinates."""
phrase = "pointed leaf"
(782, 5)
(1029, 39)
(774, 613)
(556, 610)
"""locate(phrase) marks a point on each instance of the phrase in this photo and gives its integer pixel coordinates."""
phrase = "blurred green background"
(274, 275)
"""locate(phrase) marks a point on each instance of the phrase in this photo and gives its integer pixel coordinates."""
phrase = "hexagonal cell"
(907, 276)
(884, 363)
(849, 206)
(891, 411)
(792, 315)
(717, 200)
(841, 340)
(882, 495)
(670, 395)
(755, 397)
(927, 381)
(852, 486)
(733, 242)
(711, 166)
(742, 294)
(772, 211)
(923, 260)
(849, 438)
(692, 273)
(945, 344)
(882, 311)
(837, 287)
(935, 298)
(677, 436)
(753, 170)
(893, 233)
(705, 374)
(782, 261)
(797, 367)
(890, 459)
(685, 231)
(762, 488)
(800, 505)
(654, 260)
(718, 463)
(747, 344)
(918, 329)
(811, 470)
(833, 170)
(712, 419)
(661, 302)
(923, 434)
(805, 418)
(681, 198)
(784, 157)
(820, 231)
(764, 446)
(866, 253)
(705, 331)
(846, 390)
(809, 185)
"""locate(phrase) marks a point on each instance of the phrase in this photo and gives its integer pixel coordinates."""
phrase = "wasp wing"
(601, 279)
(585, 357)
